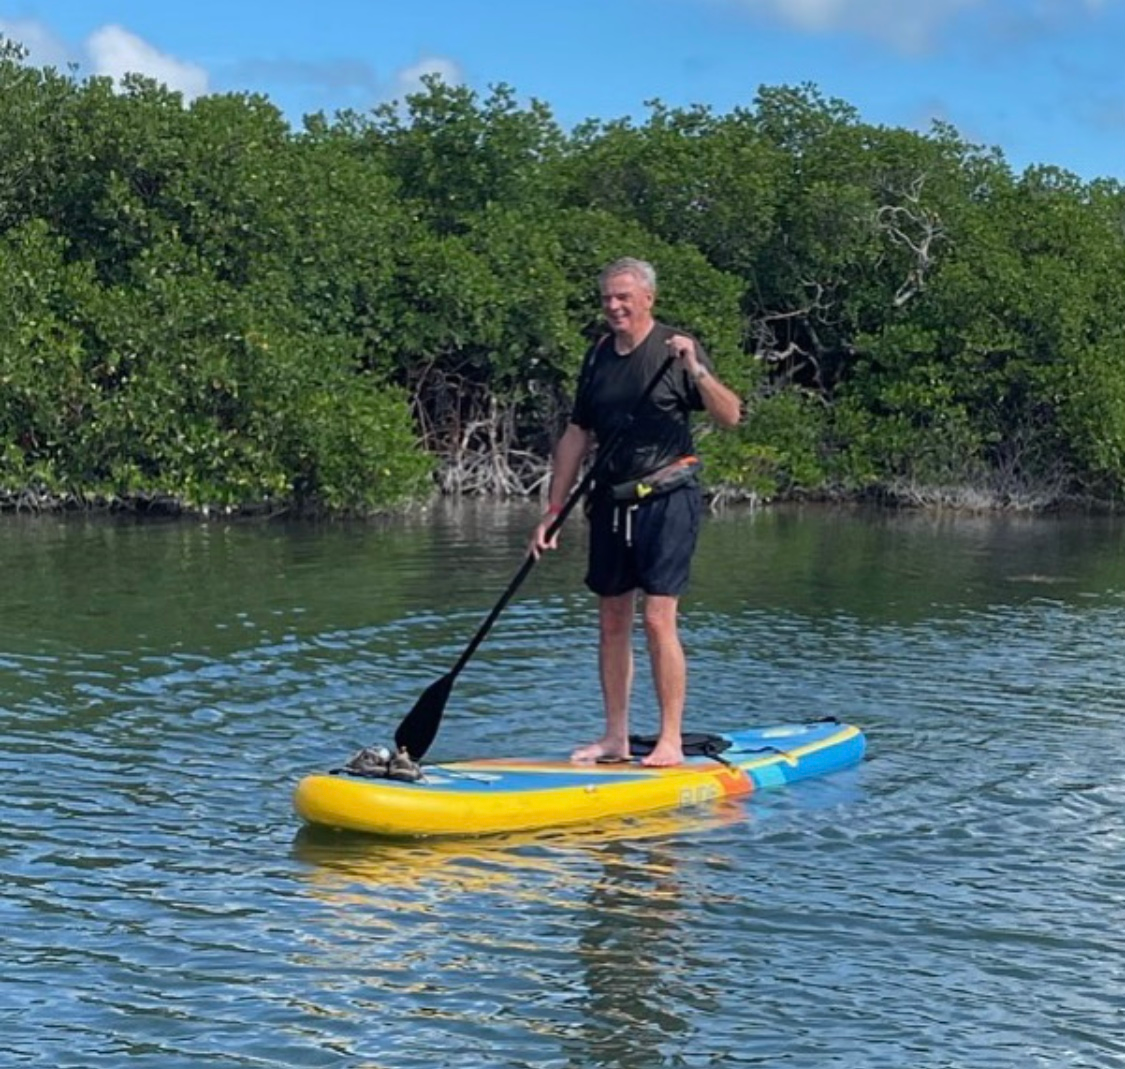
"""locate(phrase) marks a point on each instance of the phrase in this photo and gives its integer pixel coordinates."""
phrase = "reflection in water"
(341, 862)
(471, 935)
(634, 945)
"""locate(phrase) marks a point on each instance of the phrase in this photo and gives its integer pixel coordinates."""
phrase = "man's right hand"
(539, 541)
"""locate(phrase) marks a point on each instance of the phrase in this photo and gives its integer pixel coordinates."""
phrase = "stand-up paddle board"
(490, 795)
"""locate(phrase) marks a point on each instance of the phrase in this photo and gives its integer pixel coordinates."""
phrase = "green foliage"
(201, 304)
(455, 156)
(778, 451)
(44, 394)
(348, 439)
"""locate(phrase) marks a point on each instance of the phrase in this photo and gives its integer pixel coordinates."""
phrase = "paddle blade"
(419, 727)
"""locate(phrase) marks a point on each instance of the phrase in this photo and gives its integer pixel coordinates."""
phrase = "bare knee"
(615, 616)
(660, 620)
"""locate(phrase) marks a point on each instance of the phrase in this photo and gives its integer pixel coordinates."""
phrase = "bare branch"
(915, 228)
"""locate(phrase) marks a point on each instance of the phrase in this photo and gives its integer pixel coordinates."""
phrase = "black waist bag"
(662, 481)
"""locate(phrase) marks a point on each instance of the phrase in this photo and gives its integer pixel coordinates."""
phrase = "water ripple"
(954, 902)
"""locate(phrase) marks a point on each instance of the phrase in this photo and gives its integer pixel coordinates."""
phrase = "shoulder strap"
(588, 361)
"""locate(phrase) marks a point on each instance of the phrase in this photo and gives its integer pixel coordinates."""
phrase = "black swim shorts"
(645, 547)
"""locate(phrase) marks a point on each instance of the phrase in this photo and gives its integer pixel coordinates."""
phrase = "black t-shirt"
(609, 386)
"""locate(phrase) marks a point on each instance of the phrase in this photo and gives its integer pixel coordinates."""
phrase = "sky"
(1043, 81)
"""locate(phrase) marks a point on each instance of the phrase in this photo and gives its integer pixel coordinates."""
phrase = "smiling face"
(627, 304)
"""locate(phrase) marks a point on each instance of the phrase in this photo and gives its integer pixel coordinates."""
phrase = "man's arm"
(566, 462)
(721, 402)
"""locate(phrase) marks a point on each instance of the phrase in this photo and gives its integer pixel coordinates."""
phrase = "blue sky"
(1042, 80)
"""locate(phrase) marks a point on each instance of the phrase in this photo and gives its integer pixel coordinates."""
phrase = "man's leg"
(666, 538)
(669, 674)
(615, 665)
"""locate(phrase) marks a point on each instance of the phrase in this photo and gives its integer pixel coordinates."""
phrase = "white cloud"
(44, 49)
(334, 84)
(115, 52)
(409, 79)
(111, 51)
(919, 25)
(909, 25)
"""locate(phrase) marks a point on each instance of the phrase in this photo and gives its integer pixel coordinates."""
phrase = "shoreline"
(967, 500)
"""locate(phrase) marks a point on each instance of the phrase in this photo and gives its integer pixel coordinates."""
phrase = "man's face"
(627, 303)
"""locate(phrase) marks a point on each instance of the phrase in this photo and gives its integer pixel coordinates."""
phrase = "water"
(956, 901)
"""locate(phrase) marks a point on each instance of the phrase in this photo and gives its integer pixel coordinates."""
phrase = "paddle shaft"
(419, 727)
(584, 483)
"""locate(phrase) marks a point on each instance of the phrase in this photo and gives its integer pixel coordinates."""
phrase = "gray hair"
(641, 270)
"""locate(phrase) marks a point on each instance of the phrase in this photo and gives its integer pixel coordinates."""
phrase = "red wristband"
(553, 510)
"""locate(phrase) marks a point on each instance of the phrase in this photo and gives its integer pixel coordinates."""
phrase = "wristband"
(553, 510)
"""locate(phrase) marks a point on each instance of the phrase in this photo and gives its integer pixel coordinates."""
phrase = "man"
(644, 511)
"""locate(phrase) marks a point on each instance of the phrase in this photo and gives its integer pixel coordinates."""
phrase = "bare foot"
(664, 754)
(602, 750)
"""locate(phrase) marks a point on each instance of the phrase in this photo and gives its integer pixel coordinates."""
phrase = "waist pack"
(662, 481)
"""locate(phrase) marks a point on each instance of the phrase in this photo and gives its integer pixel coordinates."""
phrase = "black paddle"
(419, 727)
